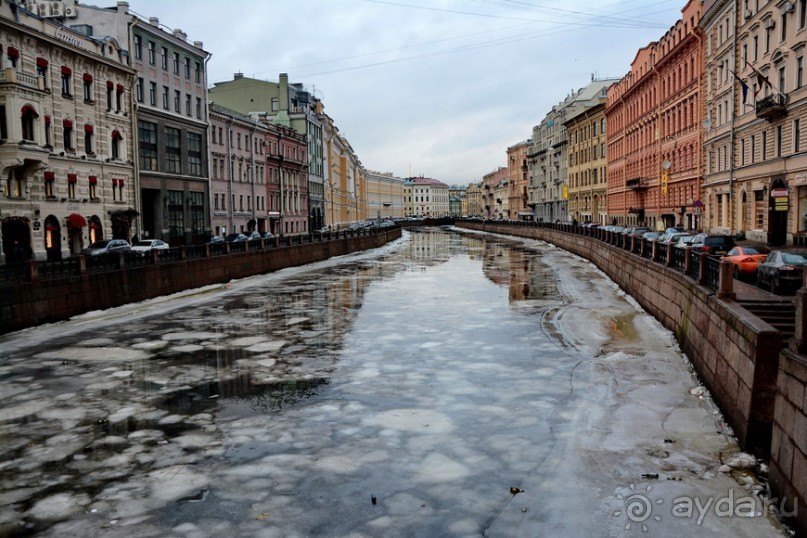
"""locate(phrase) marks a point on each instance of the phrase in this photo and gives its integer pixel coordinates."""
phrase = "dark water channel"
(397, 393)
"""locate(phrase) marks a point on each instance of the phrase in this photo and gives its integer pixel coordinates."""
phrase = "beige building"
(426, 197)
(587, 182)
(491, 184)
(385, 195)
(518, 182)
(756, 166)
(66, 118)
(473, 205)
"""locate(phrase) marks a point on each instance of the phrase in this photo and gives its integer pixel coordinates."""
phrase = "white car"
(142, 248)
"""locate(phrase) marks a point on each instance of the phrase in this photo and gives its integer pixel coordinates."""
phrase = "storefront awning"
(74, 220)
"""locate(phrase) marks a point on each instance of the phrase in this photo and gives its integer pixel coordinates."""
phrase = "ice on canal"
(446, 385)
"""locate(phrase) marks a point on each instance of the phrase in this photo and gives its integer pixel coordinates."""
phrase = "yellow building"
(385, 195)
(473, 205)
(345, 181)
(587, 180)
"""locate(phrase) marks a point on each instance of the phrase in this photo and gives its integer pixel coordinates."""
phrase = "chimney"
(198, 44)
(238, 76)
(123, 7)
(179, 34)
(154, 21)
(283, 98)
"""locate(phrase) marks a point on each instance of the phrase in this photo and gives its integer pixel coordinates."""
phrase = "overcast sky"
(438, 88)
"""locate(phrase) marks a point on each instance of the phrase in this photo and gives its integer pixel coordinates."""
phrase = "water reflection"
(85, 415)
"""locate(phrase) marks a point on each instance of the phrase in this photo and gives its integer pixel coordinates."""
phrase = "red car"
(746, 260)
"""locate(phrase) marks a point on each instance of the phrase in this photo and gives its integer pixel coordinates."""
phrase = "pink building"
(654, 130)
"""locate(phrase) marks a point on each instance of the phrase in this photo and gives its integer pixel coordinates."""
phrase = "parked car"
(672, 237)
(639, 231)
(141, 248)
(268, 236)
(105, 246)
(781, 270)
(651, 236)
(683, 241)
(717, 245)
(215, 239)
(669, 232)
(236, 237)
(746, 260)
(254, 235)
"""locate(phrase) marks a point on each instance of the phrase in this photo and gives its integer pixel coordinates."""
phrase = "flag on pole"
(761, 79)
(742, 83)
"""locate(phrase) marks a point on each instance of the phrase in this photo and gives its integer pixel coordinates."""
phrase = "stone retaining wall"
(26, 304)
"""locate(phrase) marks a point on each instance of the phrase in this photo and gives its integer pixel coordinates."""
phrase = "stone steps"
(781, 315)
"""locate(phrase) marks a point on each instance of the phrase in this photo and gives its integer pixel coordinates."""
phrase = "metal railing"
(69, 267)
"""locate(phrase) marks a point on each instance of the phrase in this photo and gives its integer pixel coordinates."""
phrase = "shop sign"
(779, 193)
(36, 225)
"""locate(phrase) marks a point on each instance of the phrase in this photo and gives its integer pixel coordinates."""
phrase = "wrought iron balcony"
(772, 107)
(636, 184)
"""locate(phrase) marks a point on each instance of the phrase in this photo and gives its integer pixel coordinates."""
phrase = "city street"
(445, 385)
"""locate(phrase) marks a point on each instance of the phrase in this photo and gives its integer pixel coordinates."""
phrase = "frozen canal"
(445, 385)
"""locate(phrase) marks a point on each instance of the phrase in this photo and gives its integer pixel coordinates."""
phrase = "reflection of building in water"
(429, 246)
(524, 272)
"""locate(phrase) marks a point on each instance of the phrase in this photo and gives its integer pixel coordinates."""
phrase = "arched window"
(28, 115)
(115, 144)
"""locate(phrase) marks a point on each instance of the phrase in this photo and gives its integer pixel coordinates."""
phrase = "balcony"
(772, 107)
(636, 184)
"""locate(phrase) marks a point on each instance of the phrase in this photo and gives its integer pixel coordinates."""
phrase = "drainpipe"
(230, 202)
(733, 120)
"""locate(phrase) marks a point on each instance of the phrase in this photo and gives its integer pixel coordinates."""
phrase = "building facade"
(345, 182)
(758, 185)
(288, 105)
(238, 186)
(655, 134)
(473, 206)
(429, 197)
(491, 186)
(586, 130)
(518, 181)
(66, 119)
(170, 94)
(385, 196)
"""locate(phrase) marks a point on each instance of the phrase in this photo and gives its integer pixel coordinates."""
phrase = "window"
(198, 72)
(176, 217)
(799, 72)
(92, 182)
(187, 68)
(173, 150)
(176, 63)
(177, 101)
(88, 129)
(165, 97)
(151, 52)
(48, 142)
(164, 58)
(138, 93)
(778, 141)
(119, 89)
(796, 135)
(72, 179)
(764, 145)
(742, 151)
(67, 83)
(802, 13)
(761, 209)
(195, 154)
(782, 80)
(153, 93)
(197, 215)
(42, 69)
(147, 139)
(49, 178)
(27, 117)
(138, 47)
(87, 87)
(783, 27)
(67, 136)
(199, 108)
(115, 144)
(187, 104)
(753, 148)
(238, 138)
